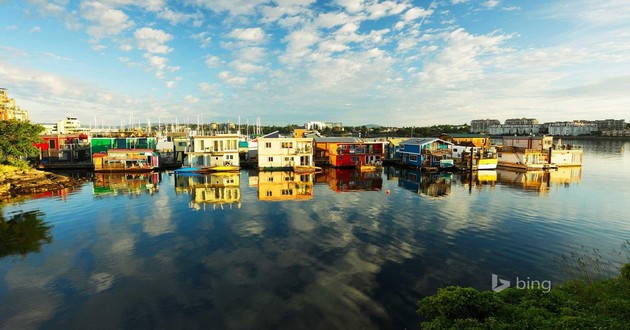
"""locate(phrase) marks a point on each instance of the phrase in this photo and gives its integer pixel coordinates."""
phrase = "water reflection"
(215, 189)
(344, 180)
(541, 181)
(425, 184)
(284, 185)
(23, 233)
(126, 183)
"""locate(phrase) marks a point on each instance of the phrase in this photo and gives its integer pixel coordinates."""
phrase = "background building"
(521, 121)
(8, 109)
(482, 125)
(571, 128)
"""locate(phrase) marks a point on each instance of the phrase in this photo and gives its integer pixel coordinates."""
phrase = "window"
(51, 144)
(267, 144)
(181, 144)
(287, 192)
(287, 145)
(413, 157)
(269, 193)
(270, 159)
(270, 179)
(286, 159)
(354, 159)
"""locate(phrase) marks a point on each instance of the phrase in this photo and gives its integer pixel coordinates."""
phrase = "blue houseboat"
(425, 153)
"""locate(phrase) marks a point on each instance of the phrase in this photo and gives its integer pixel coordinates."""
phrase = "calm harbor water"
(340, 249)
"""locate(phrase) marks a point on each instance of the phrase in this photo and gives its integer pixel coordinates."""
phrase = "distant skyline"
(392, 63)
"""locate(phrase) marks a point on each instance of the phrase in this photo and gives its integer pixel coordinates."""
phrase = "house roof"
(423, 141)
(465, 135)
(334, 139)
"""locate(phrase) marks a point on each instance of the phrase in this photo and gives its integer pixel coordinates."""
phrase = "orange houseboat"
(126, 160)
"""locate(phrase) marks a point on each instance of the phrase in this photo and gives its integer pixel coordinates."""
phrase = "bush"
(576, 304)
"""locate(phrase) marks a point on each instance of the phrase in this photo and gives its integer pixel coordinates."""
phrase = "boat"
(219, 168)
(126, 160)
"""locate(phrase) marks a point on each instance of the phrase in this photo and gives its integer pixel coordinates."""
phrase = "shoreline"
(19, 183)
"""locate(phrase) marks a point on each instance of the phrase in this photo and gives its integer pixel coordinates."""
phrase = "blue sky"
(393, 62)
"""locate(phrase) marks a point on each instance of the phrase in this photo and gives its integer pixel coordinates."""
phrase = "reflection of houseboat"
(216, 189)
(213, 153)
(126, 160)
(125, 183)
(536, 153)
(424, 153)
(427, 184)
(342, 180)
(284, 185)
(540, 180)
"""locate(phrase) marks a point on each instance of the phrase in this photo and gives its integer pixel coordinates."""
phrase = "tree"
(24, 233)
(17, 139)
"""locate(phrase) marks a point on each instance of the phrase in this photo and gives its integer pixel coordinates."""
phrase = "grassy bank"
(577, 304)
(23, 181)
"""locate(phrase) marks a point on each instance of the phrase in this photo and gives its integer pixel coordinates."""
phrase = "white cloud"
(152, 40)
(159, 64)
(203, 38)
(36, 29)
(228, 78)
(174, 17)
(212, 61)
(299, 43)
(351, 6)
(459, 60)
(415, 13)
(191, 99)
(246, 68)
(125, 47)
(330, 20)
(252, 54)
(253, 35)
(458, 1)
(491, 3)
(105, 21)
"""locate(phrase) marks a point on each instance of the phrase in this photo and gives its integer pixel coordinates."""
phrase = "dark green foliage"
(24, 233)
(17, 138)
(576, 304)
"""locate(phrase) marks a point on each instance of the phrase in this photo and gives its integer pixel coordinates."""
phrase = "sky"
(391, 62)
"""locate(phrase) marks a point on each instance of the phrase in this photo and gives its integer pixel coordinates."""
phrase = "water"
(341, 249)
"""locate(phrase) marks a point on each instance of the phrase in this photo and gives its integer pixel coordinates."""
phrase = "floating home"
(349, 151)
(286, 154)
(126, 160)
(529, 153)
(213, 153)
(425, 153)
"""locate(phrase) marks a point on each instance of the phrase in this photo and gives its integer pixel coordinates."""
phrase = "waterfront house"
(213, 152)
(102, 144)
(284, 185)
(294, 154)
(126, 160)
(349, 151)
(64, 148)
(392, 148)
(536, 152)
(424, 152)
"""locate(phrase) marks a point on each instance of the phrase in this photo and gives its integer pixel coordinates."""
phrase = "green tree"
(24, 233)
(17, 138)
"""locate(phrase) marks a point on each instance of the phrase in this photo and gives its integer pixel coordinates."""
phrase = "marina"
(371, 242)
